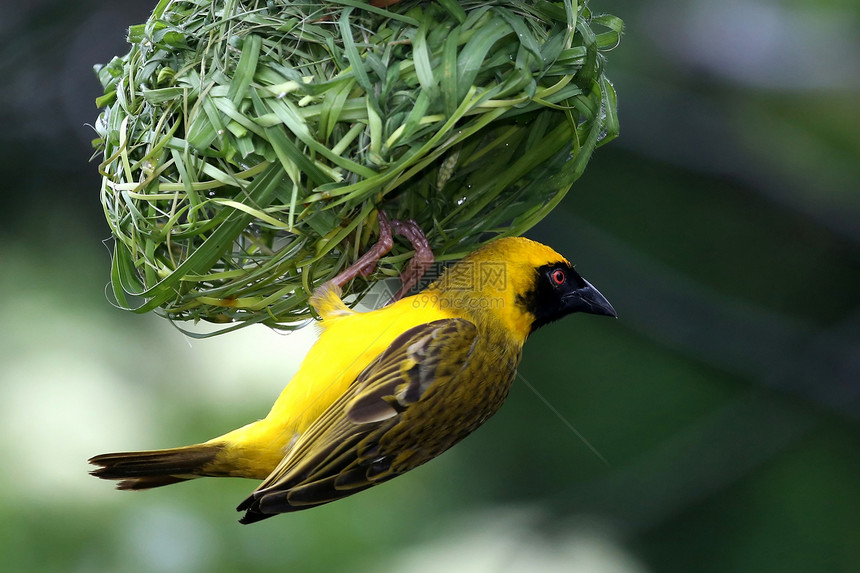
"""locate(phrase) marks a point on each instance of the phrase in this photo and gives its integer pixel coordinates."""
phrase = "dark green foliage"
(247, 144)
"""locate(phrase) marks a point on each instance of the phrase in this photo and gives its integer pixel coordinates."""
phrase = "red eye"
(558, 277)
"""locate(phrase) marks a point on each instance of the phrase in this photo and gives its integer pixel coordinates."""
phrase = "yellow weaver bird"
(384, 391)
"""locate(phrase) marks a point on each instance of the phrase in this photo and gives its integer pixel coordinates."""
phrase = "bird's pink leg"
(421, 260)
(367, 262)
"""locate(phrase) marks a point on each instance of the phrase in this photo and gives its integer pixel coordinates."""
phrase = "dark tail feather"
(155, 468)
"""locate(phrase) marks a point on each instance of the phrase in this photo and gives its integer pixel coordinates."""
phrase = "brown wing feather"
(339, 453)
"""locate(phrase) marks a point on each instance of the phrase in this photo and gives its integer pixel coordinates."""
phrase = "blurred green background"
(724, 225)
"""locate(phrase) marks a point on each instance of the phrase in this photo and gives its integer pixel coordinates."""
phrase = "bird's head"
(524, 283)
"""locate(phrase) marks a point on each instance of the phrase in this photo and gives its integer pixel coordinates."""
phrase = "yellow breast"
(348, 343)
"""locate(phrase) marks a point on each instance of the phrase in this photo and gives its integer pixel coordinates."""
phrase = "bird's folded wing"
(337, 454)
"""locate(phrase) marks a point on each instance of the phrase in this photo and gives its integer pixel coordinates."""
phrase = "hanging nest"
(248, 144)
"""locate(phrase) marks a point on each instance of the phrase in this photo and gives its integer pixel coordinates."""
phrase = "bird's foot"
(421, 260)
(367, 262)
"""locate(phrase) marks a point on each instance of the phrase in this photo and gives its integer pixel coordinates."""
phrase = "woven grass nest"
(248, 145)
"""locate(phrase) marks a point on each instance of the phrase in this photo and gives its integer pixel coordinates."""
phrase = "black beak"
(588, 299)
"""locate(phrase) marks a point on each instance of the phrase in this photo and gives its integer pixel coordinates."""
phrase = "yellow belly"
(348, 343)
